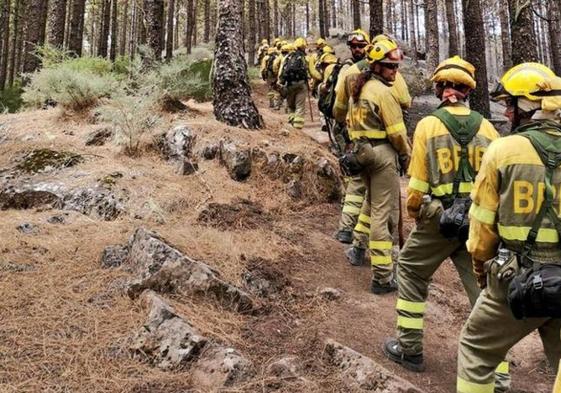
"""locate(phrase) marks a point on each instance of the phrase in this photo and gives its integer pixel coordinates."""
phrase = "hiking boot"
(344, 236)
(393, 351)
(355, 256)
(381, 289)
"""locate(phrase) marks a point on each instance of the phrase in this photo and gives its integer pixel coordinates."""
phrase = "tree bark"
(206, 35)
(554, 29)
(524, 45)
(16, 31)
(251, 28)
(189, 26)
(356, 14)
(276, 17)
(431, 28)
(76, 33)
(57, 23)
(307, 18)
(33, 35)
(104, 28)
(232, 100)
(475, 54)
(169, 29)
(114, 23)
(4, 41)
(505, 34)
(327, 20)
(194, 28)
(124, 25)
(267, 20)
(452, 28)
(412, 30)
(321, 18)
(376, 17)
(154, 15)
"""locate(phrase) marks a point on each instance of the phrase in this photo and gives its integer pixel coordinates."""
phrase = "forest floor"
(63, 317)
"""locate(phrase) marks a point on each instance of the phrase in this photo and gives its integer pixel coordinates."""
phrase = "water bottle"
(502, 257)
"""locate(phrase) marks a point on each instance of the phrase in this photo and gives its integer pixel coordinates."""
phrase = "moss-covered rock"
(44, 160)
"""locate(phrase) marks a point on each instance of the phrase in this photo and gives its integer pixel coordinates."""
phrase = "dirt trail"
(64, 320)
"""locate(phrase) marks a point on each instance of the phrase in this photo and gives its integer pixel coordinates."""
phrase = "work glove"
(480, 275)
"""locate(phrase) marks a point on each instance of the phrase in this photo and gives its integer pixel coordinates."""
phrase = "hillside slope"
(66, 321)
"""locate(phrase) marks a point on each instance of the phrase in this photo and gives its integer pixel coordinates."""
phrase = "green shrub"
(76, 85)
(254, 73)
(10, 99)
(132, 118)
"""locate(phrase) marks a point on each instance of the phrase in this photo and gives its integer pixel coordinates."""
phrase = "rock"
(177, 143)
(165, 339)
(285, 368)
(16, 267)
(163, 268)
(220, 367)
(259, 156)
(330, 293)
(169, 341)
(108, 181)
(45, 160)
(114, 256)
(97, 202)
(263, 279)
(210, 151)
(237, 161)
(186, 168)
(27, 228)
(294, 189)
(99, 137)
(29, 196)
(361, 373)
(329, 183)
(57, 219)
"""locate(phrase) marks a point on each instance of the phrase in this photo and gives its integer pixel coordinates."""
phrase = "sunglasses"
(391, 66)
(354, 46)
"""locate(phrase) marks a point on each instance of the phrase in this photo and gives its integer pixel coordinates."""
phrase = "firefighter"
(293, 76)
(439, 175)
(515, 230)
(268, 75)
(379, 141)
(261, 52)
(357, 42)
(361, 232)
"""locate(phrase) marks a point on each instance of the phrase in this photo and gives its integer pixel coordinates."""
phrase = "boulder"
(166, 340)
(27, 228)
(99, 137)
(360, 373)
(169, 342)
(210, 151)
(161, 267)
(236, 160)
(330, 293)
(114, 256)
(46, 160)
(94, 201)
(177, 145)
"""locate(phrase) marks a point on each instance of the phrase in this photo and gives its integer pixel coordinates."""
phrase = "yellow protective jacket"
(436, 156)
(376, 114)
(399, 90)
(279, 61)
(312, 70)
(507, 195)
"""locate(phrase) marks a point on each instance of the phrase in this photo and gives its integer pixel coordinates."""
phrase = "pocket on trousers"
(500, 276)
(365, 153)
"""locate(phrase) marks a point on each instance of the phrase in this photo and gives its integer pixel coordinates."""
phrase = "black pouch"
(349, 164)
(454, 221)
(536, 292)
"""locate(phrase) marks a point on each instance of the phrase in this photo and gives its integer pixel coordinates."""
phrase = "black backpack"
(295, 68)
(269, 65)
(327, 93)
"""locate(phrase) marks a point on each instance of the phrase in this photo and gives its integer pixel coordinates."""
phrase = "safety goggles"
(357, 46)
(391, 66)
(356, 37)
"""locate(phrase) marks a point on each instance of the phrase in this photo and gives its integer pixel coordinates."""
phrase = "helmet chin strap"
(516, 115)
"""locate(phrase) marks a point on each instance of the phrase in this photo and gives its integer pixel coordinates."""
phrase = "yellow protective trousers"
(381, 178)
(352, 203)
(296, 103)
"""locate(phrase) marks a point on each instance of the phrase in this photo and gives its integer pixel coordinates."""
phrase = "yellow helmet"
(525, 79)
(328, 58)
(271, 50)
(287, 48)
(300, 43)
(358, 35)
(321, 42)
(550, 92)
(455, 70)
(384, 51)
(264, 42)
(381, 37)
(276, 41)
(327, 49)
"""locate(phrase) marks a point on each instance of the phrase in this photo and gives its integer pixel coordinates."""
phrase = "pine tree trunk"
(4, 41)
(76, 32)
(321, 19)
(169, 29)
(307, 18)
(475, 54)
(33, 34)
(554, 28)
(251, 36)
(104, 28)
(431, 28)
(232, 100)
(276, 17)
(206, 35)
(505, 34)
(326, 16)
(154, 15)
(452, 28)
(356, 14)
(124, 25)
(134, 30)
(57, 23)
(194, 28)
(16, 31)
(524, 45)
(267, 20)
(114, 22)
(412, 30)
(376, 17)
(189, 26)
(176, 25)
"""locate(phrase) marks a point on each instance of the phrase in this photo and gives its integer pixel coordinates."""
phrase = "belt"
(378, 142)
